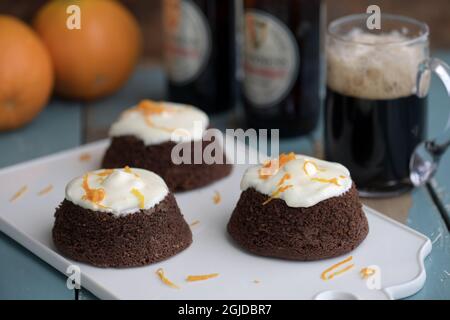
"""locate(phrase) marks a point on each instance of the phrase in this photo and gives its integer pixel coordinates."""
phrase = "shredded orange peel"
(367, 272)
(283, 179)
(127, 169)
(105, 172)
(19, 193)
(194, 223)
(327, 275)
(45, 190)
(331, 181)
(160, 273)
(93, 195)
(217, 198)
(139, 196)
(201, 277)
(310, 163)
(277, 193)
(271, 167)
(149, 108)
(85, 157)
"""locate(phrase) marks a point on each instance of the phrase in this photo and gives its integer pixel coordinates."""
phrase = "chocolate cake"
(143, 137)
(298, 208)
(119, 218)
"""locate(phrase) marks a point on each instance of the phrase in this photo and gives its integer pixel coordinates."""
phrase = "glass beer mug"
(376, 103)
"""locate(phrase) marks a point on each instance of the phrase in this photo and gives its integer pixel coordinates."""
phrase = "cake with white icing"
(119, 218)
(300, 208)
(144, 136)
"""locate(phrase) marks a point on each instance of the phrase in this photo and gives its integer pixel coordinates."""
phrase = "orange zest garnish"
(18, 194)
(286, 176)
(85, 157)
(367, 272)
(194, 223)
(217, 198)
(139, 196)
(332, 181)
(325, 276)
(93, 195)
(310, 163)
(271, 167)
(127, 169)
(201, 277)
(160, 273)
(276, 194)
(45, 190)
(105, 172)
(150, 108)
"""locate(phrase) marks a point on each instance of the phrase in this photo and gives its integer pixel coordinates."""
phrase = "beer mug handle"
(425, 159)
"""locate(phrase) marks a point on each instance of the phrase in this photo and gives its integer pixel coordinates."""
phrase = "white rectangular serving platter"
(397, 250)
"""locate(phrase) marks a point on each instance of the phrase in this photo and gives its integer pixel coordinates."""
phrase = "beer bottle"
(200, 53)
(282, 65)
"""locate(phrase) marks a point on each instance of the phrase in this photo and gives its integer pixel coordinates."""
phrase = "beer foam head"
(370, 66)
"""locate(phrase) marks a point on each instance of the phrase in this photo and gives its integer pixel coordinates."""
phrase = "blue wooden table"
(63, 125)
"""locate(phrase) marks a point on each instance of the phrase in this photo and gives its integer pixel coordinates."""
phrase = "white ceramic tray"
(397, 250)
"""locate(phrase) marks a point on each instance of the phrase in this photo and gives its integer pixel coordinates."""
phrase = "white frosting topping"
(120, 191)
(158, 122)
(301, 181)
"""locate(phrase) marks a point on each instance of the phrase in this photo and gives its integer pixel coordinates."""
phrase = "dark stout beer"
(200, 53)
(373, 117)
(282, 65)
(374, 138)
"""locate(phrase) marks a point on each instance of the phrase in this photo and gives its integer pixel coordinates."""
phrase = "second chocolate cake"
(143, 137)
(299, 208)
(119, 218)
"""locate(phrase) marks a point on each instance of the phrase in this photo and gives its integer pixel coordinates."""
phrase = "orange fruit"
(96, 59)
(26, 73)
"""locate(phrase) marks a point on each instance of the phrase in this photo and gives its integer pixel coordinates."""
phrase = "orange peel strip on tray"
(45, 190)
(194, 223)
(277, 193)
(18, 194)
(217, 197)
(324, 275)
(201, 277)
(139, 196)
(85, 157)
(367, 272)
(160, 273)
(271, 167)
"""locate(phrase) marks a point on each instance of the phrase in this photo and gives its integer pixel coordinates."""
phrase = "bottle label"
(187, 40)
(271, 59)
